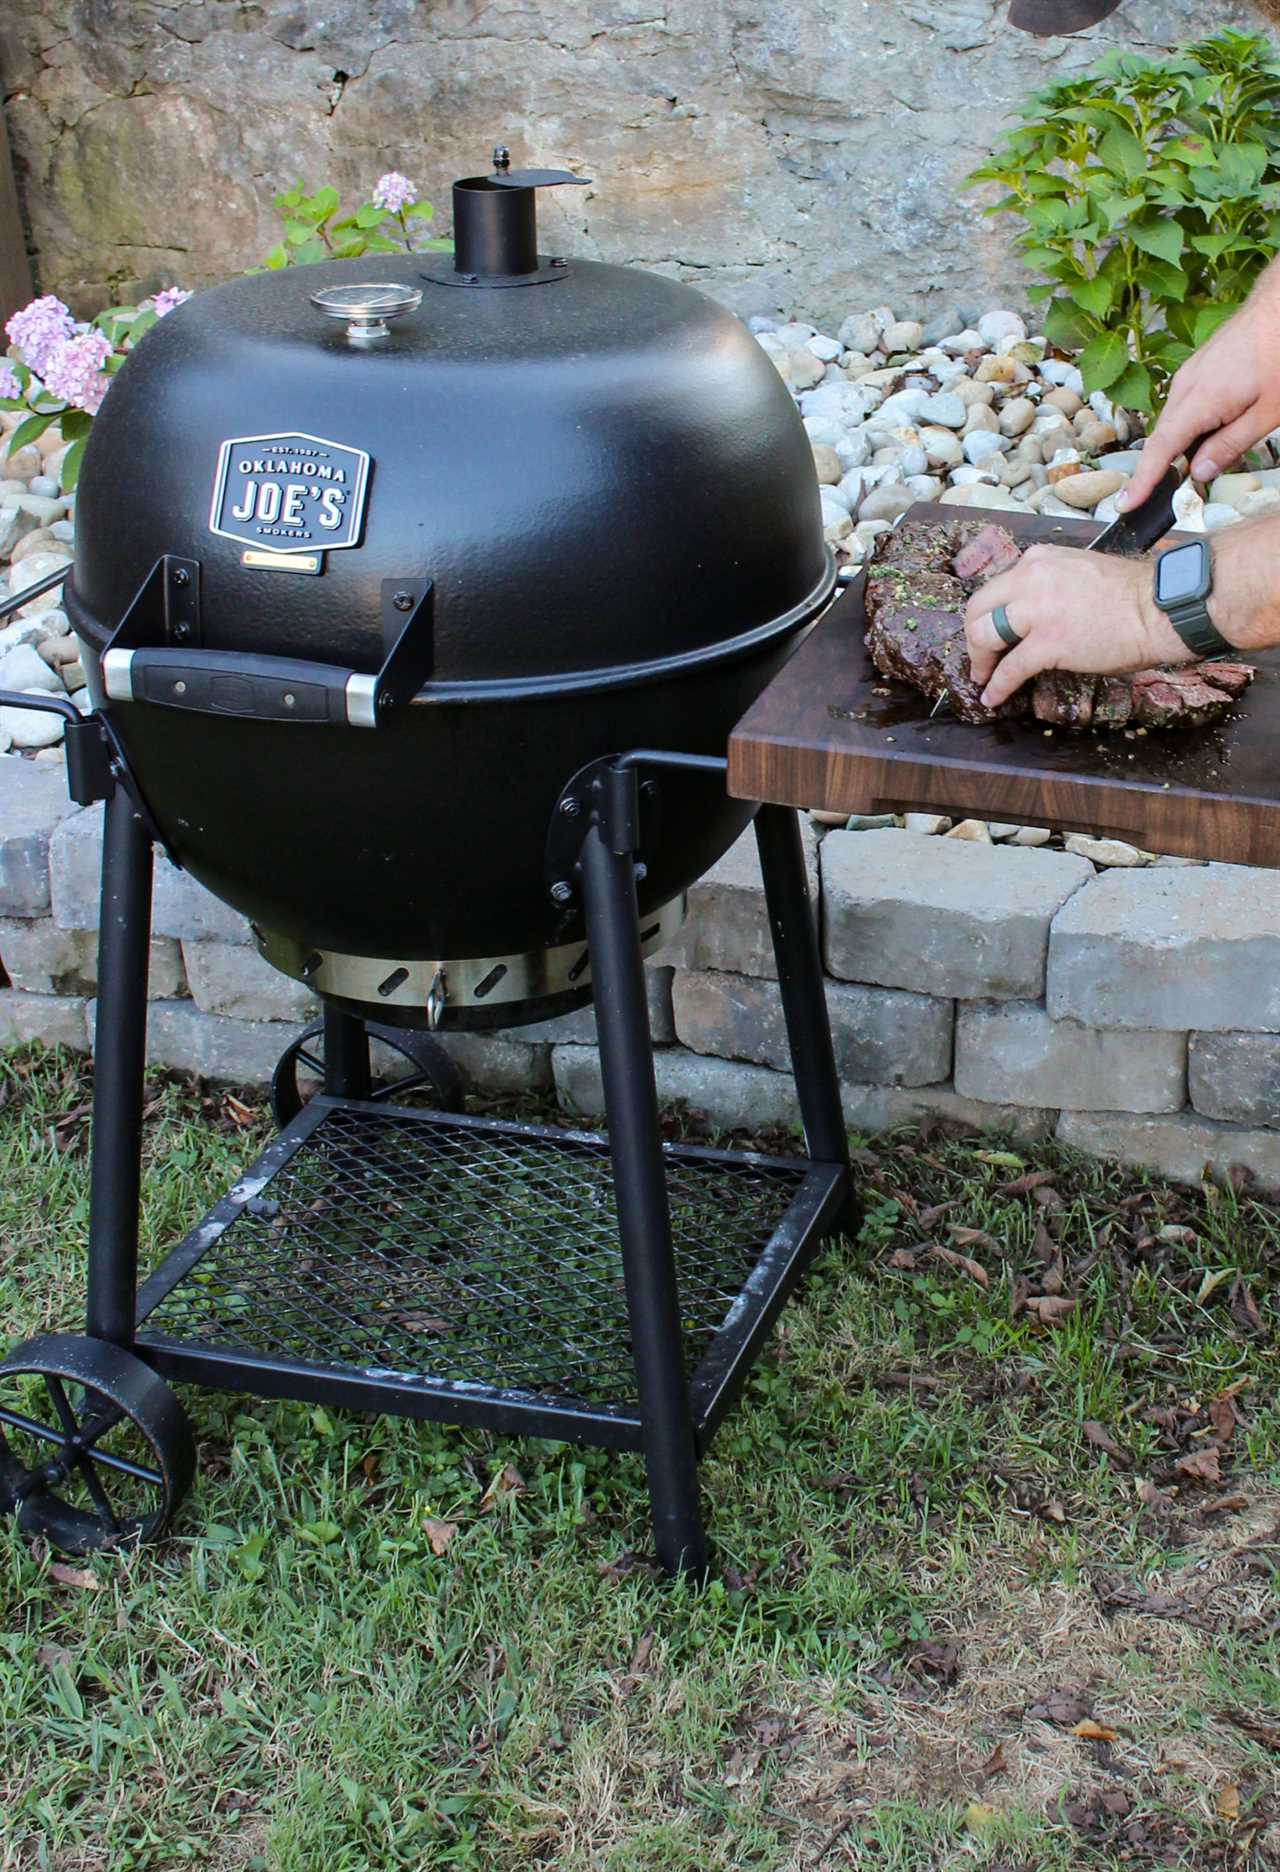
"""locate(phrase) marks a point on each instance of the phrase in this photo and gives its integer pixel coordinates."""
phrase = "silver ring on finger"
(1004, 629)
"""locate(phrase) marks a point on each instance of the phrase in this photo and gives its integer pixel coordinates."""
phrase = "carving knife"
(1136, 532)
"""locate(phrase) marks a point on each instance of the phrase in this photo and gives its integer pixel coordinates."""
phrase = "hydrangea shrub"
(59, 370)
(393, 220)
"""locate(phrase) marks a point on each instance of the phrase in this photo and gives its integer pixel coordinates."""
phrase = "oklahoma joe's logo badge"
(289, 493)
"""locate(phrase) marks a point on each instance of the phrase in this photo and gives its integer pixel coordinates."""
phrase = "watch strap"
(1197, 629)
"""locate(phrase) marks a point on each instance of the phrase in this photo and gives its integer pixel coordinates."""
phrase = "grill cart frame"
(584, 1315)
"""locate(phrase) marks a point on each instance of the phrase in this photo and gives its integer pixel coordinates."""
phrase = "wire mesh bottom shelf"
(477, 1255)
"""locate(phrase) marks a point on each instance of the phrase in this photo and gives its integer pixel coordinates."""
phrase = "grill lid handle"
(272, 688)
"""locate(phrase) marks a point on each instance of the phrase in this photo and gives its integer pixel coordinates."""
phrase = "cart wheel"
(420, 1073)
(95, 1449)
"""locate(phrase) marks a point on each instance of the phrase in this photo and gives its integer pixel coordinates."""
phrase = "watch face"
(1181, 573)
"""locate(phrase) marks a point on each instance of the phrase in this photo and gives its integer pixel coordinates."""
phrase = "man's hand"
(1075, 611)
(1229, 393)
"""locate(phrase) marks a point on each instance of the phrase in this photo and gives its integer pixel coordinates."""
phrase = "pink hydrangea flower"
(38, 327)
(74, 370)
(394, 192)
(166, 301)
(9, 385)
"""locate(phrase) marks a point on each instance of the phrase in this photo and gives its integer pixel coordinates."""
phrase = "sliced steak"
(1112, 702)
(1063, 698)
(922, 574)
(1187, 694)
(991, 550)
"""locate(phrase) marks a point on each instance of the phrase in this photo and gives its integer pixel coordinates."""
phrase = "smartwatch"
(1184, 579)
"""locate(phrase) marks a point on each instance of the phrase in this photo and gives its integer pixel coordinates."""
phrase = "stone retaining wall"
(1133, 1012)
(794, 153)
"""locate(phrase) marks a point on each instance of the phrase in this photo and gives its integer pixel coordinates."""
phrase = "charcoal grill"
(423, 652)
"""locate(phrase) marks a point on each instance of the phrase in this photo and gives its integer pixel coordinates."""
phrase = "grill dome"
(612, 493)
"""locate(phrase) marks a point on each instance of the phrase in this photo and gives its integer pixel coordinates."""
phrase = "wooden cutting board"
(830, 733)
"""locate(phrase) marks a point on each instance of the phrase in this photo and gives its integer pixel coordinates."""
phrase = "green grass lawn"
(997, 1577)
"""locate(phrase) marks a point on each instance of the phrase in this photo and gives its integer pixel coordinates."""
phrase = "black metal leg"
(124, 938)
(346, 1055)
(644, 1219)
(804, 1001)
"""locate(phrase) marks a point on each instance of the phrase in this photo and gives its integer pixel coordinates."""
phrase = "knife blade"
(1136, 532)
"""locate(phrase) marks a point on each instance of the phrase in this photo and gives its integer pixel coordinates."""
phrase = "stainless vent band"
(467, 982)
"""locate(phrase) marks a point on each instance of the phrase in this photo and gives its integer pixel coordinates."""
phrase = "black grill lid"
(600, 468)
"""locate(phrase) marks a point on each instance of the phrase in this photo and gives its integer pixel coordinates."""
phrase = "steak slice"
(1063, 698)
(1112, 702)
(1187, 694)
(991, 550)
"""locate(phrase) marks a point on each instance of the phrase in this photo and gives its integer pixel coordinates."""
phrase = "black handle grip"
(222, 682)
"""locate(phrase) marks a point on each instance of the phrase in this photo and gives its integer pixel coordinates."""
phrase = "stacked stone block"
(1135, 1013)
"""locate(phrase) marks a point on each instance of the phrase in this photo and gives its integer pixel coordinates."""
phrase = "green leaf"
(277, 258)
(1214, 245)
(1241, 166)
(310, 252)
(1122, 153)
(70, 471)
(1065, 324)
(1165, 284)
(1164, 239)
(1207, 321)
(1094, 295)
(369, 215)
(75, 423)
(322, 204)
(1191, 150)
(420, 211)
(1103, 360)
(1132, 389)
(31, 429)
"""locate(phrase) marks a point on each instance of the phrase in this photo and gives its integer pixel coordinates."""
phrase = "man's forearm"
(1245, 602)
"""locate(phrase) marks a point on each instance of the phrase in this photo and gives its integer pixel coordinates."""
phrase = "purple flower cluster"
(74, 370)
(167, 300)
(9, 385)
(393, 192)
(38, 328)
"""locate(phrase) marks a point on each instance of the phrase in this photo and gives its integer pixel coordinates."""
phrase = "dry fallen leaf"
(54, 1655)
(1178, 1235)
(508, 1481)
(1223, 1504)
(75, 1576)
(1023, 1185)
(996, 1763)
(1228, 1802)
(973, 1238)
(1091, 1731)
(1049, 1309)
(1062, 1707)
(1201, 1465)
(1223, 1418)
(974, 1269)
(1266, 1734)
(1210, 1281)
(1102, 1439)
(439, 1533)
